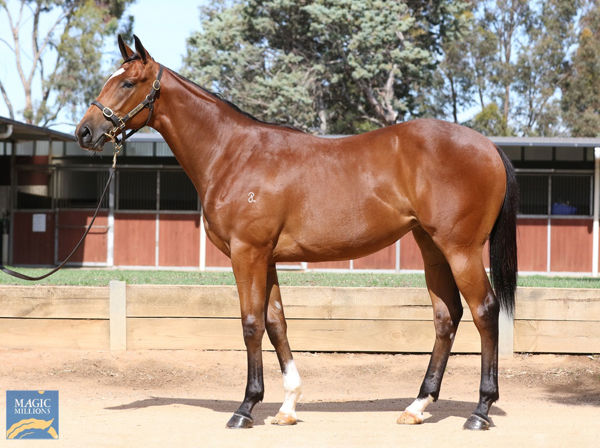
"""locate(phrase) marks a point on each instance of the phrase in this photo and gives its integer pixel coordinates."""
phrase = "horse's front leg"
(277, 331)
(250, 270)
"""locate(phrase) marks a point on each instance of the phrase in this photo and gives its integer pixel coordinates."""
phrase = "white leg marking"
(419, 405)
(292, 387)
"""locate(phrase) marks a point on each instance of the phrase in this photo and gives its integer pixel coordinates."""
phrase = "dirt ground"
(184, 398)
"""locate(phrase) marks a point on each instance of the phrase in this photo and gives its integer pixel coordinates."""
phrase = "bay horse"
(271, 194)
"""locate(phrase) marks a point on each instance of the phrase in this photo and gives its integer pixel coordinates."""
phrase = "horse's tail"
(503, 242)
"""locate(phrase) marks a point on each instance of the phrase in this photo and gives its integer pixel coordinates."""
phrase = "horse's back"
(355, 195)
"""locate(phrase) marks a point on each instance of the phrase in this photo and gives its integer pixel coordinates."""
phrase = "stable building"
(151, 218)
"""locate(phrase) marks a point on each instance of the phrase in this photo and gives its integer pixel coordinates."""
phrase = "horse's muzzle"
(90, 137)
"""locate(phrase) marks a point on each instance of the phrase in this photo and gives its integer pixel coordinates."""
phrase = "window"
(512, 153)
(177, 191)
(538, 154)
(163, 150)
(24, 148)
(33, 188)
(570, 154)
(569, 194)
(139, 149)
(533, 191)
(80, 189)
(137, 190)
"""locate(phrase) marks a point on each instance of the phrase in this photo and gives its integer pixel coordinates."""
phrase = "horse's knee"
(446, 323)
(253, 328)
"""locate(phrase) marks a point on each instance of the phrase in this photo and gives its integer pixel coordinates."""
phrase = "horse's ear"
(126, 52)
(140, 49)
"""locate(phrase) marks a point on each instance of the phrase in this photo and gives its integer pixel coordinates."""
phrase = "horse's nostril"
(84, 135)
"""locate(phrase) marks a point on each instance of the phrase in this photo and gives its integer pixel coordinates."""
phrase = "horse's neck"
(192, 122)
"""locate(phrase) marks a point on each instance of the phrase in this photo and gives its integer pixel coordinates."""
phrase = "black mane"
(232, 105)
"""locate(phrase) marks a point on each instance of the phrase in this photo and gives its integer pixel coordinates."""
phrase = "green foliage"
(580, 99)
(540, 68)
(490, 121)
(337, 66)
(67, 57)
(264, 81)
(511, 59)
(453, 81)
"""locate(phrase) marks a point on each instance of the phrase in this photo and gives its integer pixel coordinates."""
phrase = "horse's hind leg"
(277, 331)
(471, 278)
(447, 312)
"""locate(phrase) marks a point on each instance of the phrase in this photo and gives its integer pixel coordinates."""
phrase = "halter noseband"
(120, 122)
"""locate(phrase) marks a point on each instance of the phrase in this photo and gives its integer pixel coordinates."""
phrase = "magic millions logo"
(32, 414)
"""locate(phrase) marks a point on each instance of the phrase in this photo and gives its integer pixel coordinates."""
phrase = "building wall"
(175, 240)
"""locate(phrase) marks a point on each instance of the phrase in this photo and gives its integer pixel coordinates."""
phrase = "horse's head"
(123, 99)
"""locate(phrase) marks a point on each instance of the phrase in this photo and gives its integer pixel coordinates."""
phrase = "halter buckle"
(108, 114)
(156, 85)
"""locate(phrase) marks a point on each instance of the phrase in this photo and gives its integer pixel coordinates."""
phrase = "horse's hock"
(319, 319)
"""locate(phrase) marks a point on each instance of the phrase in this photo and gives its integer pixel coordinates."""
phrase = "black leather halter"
(119, 123)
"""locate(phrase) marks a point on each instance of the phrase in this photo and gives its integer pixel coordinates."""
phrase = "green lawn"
(101, 277)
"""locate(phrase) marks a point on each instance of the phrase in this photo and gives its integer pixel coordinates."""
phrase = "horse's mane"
(232, 105)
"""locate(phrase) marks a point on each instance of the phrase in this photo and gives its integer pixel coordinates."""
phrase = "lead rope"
(116, 151)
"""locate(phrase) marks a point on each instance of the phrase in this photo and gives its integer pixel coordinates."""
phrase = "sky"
(162, 26)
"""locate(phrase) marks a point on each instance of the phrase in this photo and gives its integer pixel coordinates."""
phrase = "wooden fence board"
(558, 304)
(298, 302)
(182, 301)
(303, 334)
(58, 302)
(54, 334)
(328, 319)
(557, 337)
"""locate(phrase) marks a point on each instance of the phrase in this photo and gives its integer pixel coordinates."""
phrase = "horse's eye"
(127, 84)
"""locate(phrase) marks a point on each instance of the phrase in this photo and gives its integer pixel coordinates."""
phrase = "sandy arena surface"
(184, 398)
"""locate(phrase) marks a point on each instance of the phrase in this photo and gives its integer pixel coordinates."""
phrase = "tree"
(483, 44)
(65, 58)
(264, 81)
(337, 66)
(453, 80)
(540, 68)
(580, 101)
(489, 121)
(507, 20)
(518, 53)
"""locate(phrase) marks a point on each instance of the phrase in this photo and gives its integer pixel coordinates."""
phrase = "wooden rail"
(319, 319)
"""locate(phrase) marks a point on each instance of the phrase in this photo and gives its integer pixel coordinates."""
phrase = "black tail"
(503, 242)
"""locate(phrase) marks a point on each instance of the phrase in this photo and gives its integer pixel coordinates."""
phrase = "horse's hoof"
(283, 419)
(240, 421)
(476, 423)
(408, 418)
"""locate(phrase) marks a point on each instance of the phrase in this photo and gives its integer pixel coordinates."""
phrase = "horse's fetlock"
(489, 393)
(255, 394)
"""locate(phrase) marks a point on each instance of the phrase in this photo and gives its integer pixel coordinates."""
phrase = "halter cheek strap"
(119, 123)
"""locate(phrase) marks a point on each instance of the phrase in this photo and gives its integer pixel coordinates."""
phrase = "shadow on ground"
(578, 394)
(440, 410)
